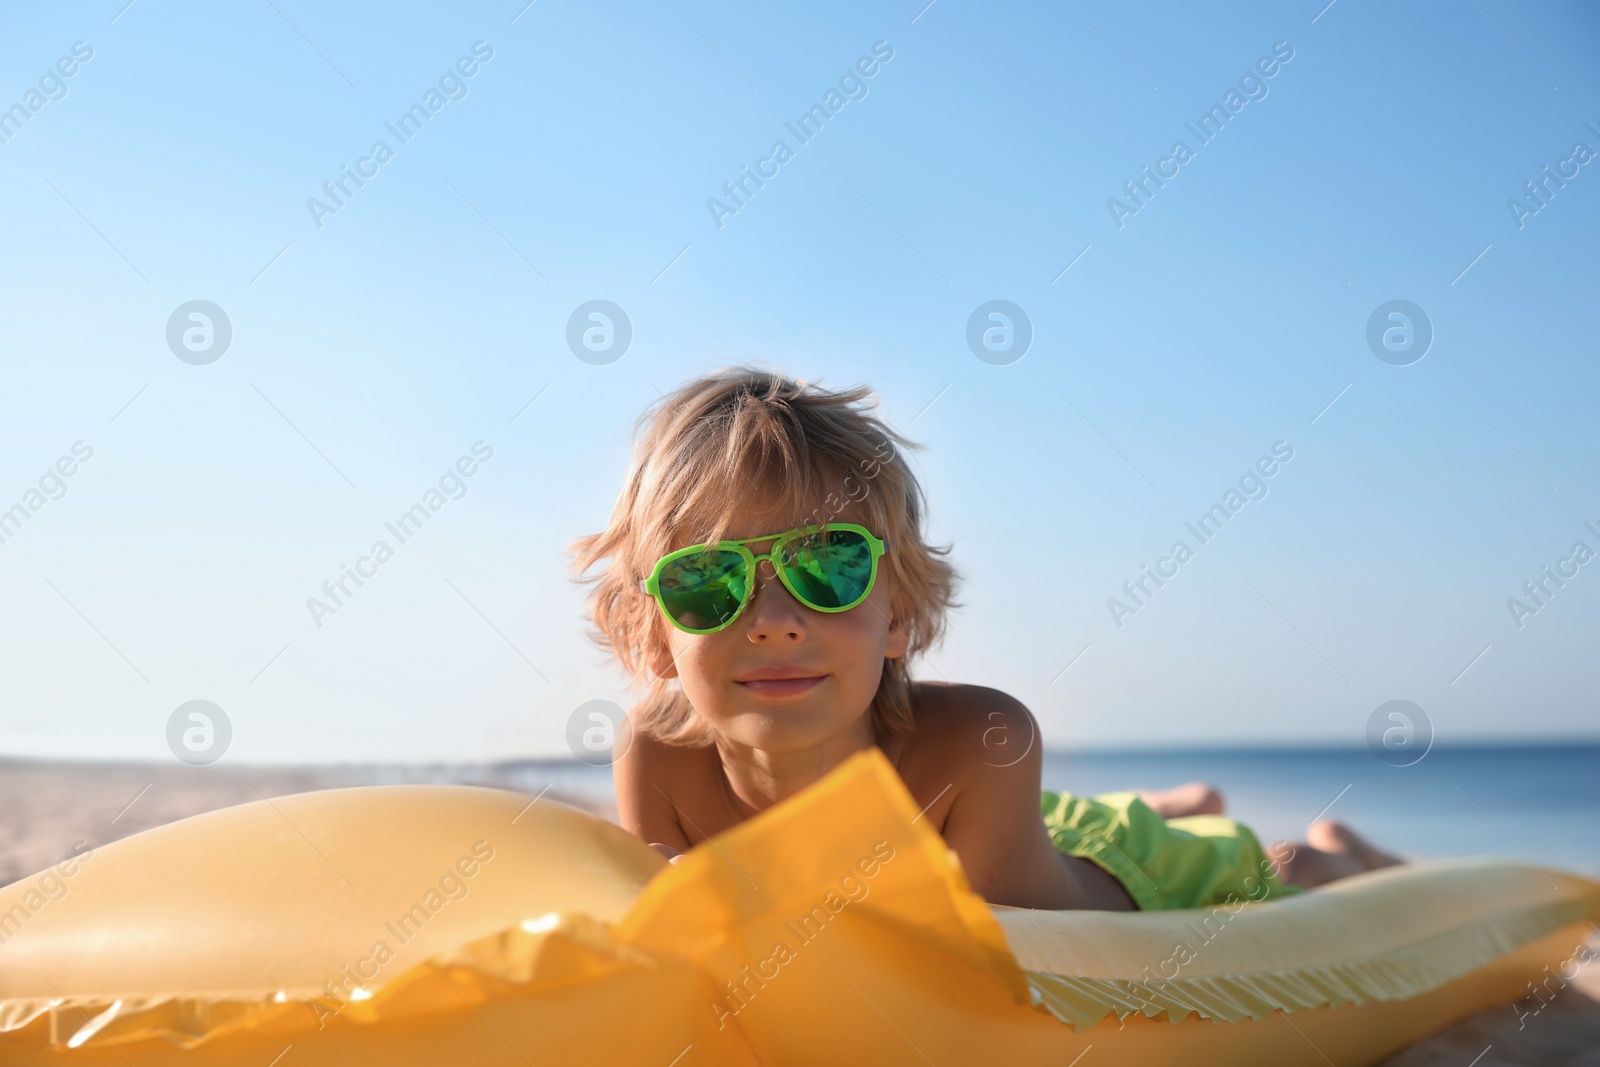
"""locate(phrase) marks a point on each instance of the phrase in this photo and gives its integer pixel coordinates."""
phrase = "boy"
(766, 554)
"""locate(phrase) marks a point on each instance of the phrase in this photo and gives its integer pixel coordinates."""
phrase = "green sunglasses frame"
(652, 584)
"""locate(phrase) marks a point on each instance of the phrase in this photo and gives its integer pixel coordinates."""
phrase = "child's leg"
(1331, 851)
(1192, 798)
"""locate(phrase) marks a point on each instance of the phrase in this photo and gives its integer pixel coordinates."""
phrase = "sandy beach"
(47, 807)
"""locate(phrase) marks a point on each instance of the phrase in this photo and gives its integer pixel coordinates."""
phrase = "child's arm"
(640, 777)
(994, 823)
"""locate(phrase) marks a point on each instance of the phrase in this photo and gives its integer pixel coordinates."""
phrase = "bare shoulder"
(940, 699)
(654, 781)
(971, 725)
(972, 746)
(654, 764)
(983, 748)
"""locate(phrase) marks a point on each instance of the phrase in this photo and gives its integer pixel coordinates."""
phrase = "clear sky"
(569, 153)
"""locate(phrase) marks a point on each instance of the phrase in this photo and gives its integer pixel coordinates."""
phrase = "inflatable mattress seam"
(1396, 974)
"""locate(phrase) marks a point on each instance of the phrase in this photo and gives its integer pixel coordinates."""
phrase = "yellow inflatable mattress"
(403, 925)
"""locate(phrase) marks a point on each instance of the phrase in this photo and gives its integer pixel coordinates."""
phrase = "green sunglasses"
(703, 588)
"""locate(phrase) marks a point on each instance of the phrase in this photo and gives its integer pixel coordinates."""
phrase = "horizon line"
(1221, 748)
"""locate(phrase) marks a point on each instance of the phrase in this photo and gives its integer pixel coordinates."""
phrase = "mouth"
(780, 682)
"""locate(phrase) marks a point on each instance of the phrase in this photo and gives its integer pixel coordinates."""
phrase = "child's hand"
(667, 850)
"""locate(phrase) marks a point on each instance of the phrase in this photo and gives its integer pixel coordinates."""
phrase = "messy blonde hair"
(811, 456)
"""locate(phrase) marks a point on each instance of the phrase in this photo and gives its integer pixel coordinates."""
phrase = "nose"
(775, 616)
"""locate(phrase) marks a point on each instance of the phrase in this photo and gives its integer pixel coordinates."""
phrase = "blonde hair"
(747, 434)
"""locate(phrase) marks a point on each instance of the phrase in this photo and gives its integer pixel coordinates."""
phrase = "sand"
(48, 807)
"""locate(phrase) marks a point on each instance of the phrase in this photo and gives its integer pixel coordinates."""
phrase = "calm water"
(1537, 802)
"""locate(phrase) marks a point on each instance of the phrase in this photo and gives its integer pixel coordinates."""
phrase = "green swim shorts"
(1164, 864)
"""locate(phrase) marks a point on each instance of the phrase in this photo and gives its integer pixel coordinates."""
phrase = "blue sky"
(370, 352)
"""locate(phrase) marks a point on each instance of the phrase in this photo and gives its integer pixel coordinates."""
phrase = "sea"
(1536, 803)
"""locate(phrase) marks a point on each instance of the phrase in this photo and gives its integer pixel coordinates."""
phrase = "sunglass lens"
(830, 568)
(701, 591)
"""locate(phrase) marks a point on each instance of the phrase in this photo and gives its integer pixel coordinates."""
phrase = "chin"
(787, 728)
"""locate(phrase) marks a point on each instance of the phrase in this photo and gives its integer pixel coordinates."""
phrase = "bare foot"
(1193, 798)
(1331, 851)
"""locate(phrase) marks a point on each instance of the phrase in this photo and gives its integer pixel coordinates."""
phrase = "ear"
(895, 641)
(662, 664)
